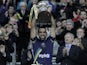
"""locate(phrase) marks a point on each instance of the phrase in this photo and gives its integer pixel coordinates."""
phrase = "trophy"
(44, 16)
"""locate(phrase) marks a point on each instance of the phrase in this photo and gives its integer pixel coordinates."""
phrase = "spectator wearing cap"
(68, 28)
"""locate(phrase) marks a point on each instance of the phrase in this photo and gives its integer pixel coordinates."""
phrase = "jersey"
(45, 57)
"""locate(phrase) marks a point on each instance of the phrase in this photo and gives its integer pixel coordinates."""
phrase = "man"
(23, 30)
(68, 54)
(83, 45)
(27, 57)
(68, 28)
(4, 54)
(4, 37)
(43, 42)
(83, 16)
(9, 13)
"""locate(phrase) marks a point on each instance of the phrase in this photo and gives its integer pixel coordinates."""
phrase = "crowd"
(34, 25)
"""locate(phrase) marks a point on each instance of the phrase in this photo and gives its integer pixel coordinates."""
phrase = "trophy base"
(43, 24)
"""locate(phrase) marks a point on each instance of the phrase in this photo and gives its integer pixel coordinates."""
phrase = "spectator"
(83, 15)
(9, 13)
(59, 30)
(64, 23)
(12, 29)
(27, 58)
(69, 28)
(4, 54)
(69, 9)
(53, 4)
(2, 11)
(68, 54)
(82, 45)
(24, 36)
(6, 40)
(84, 26)
(76, 15)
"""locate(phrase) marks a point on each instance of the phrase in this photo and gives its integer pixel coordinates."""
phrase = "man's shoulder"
(75, 47)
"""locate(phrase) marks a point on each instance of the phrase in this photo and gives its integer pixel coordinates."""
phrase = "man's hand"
(29, 55)
(76, 42)
(6, 37)
(64, 51)
(2, 49)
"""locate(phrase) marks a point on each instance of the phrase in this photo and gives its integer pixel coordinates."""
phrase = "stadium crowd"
(35, 25)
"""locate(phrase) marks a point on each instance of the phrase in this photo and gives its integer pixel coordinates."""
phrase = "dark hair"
(40, 28)
(1, 2)
(11, 5)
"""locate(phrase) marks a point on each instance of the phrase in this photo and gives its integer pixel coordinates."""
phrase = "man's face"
(64, 23)
(59, 24)
(9, 28)
(83, 15)
(80, 33)
(68, 38)
(85, 23)
(11, 10)
(42, 33)
(23, 7)
(34, 1)
(13, 23)
(69, 26)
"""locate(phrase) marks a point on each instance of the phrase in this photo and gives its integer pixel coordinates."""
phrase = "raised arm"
(52, 30)
(33, 29)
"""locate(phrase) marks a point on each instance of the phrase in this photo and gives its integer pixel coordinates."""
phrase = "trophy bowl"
(44, 19)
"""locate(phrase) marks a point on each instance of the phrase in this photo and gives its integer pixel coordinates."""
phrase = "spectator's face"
(84, 23)
(11, 10)
(9, 29)
(83, 15)
(42, 33)
(59, 24)
(64, 23)
(23, 7)
(69, 26)
(14, 24)
(80, 33)
(69, 38)
(34, 1)
(1, 46)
